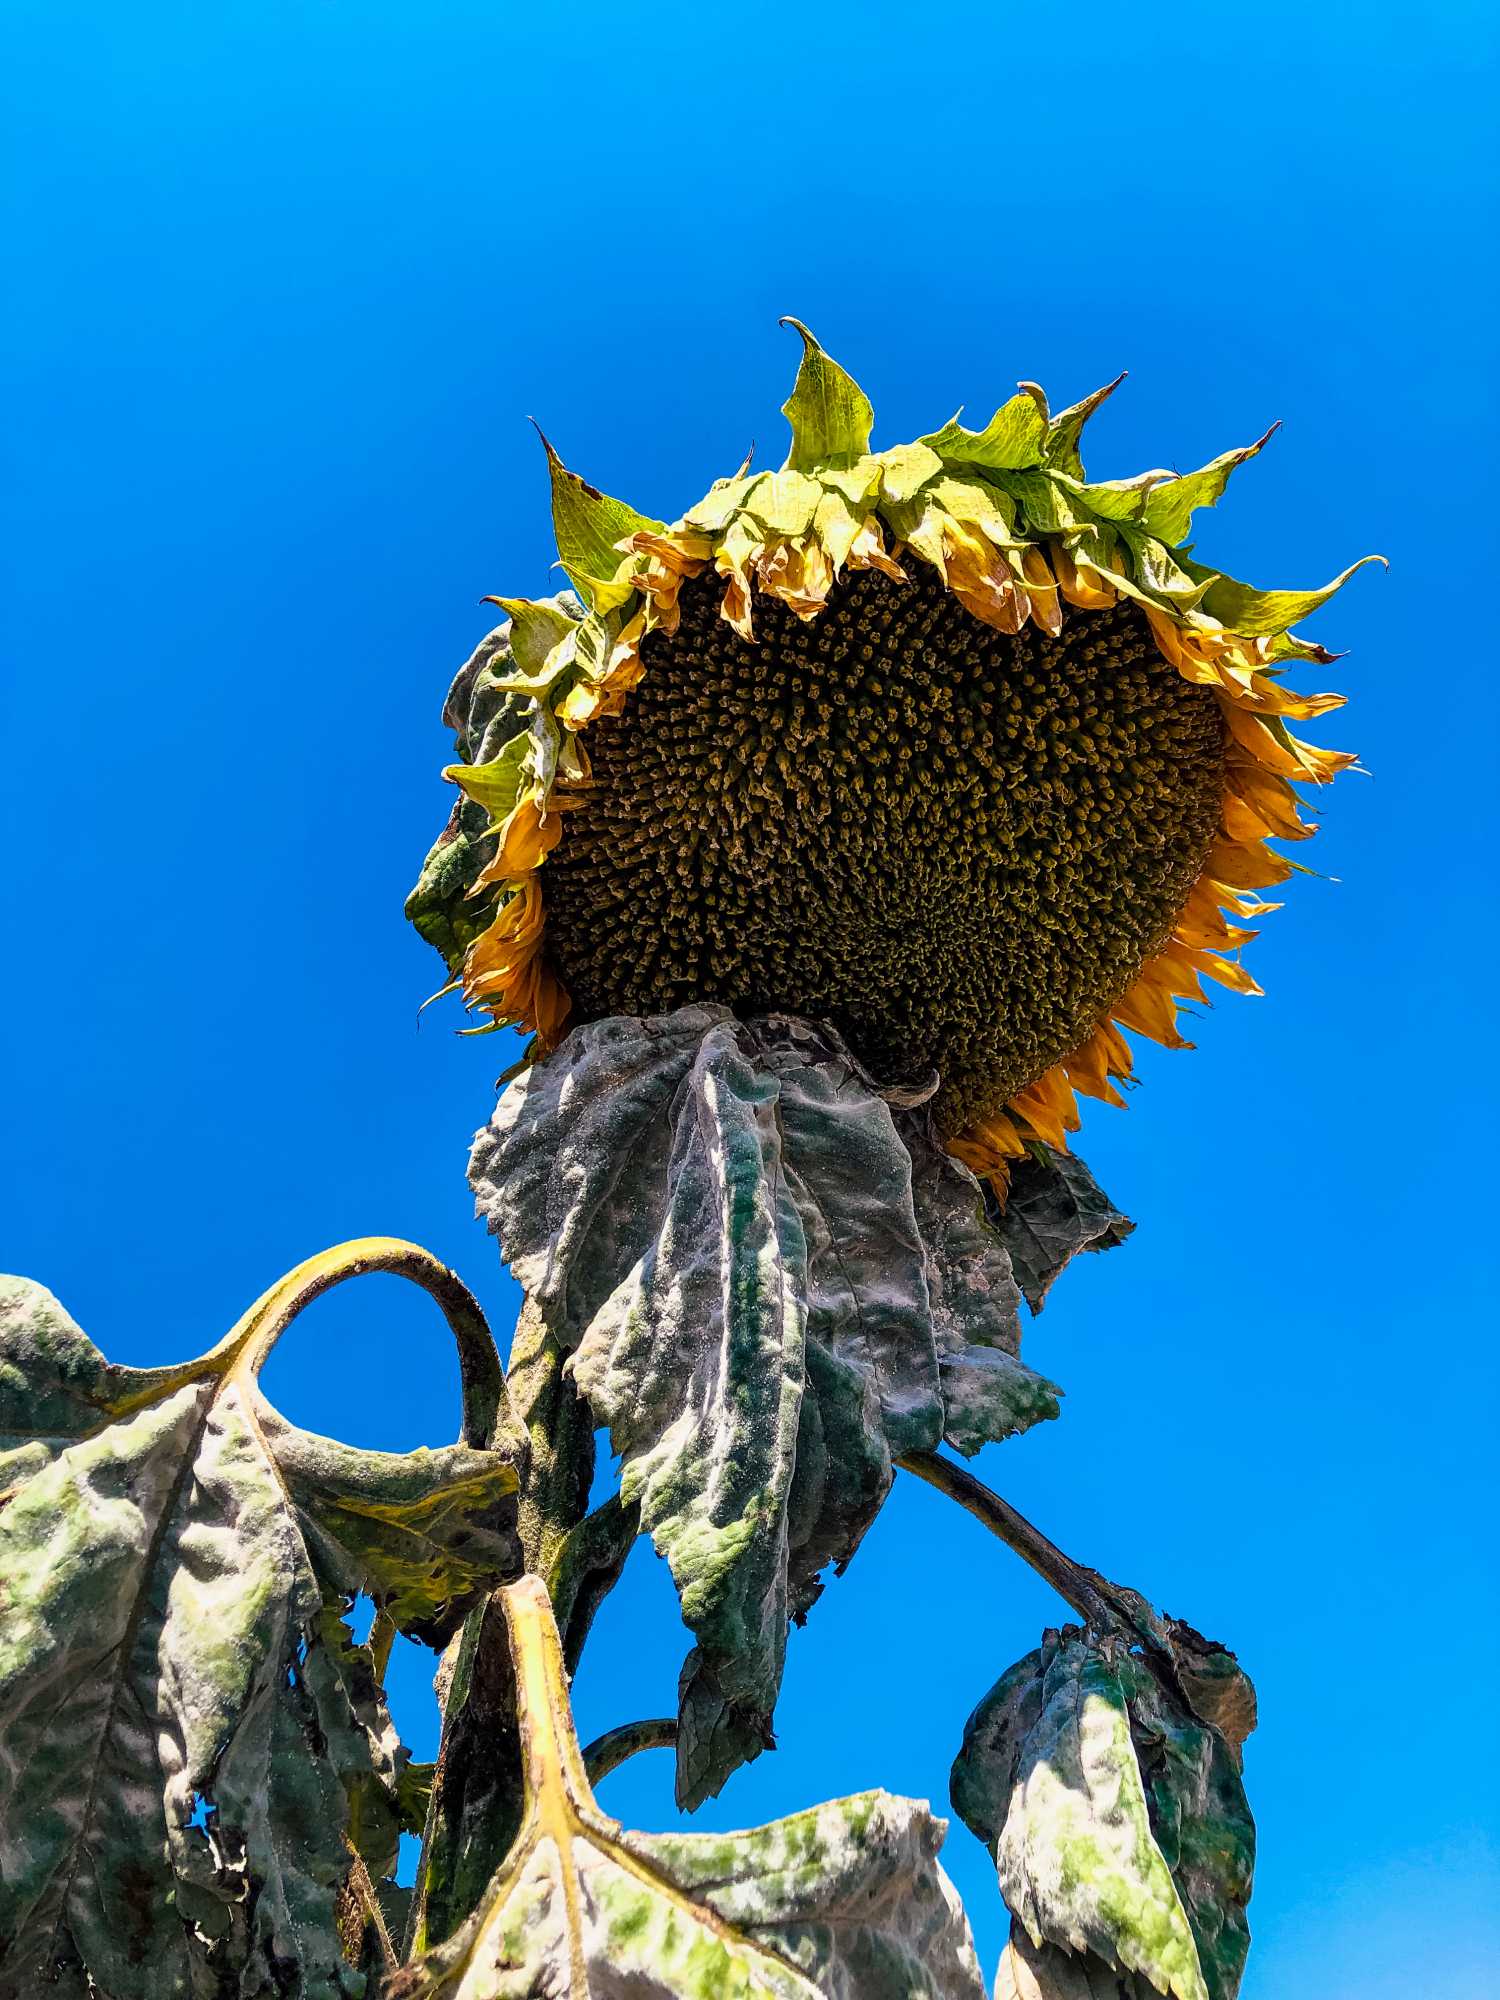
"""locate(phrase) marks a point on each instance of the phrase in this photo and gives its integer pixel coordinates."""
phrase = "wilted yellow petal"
(867, 551)
(981, 579)
(1083, 587)
(1042, 589)
(1049, 1107)
(1247, 865)
(836, 527)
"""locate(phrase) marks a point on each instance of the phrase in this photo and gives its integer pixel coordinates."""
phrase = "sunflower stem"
(560, 1471)
(607, 1752)
(1066, 1577)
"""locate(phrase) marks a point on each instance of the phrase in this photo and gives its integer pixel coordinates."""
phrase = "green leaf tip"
(1170, 508)
(587, 525)
(829, 413)
(1065, 429)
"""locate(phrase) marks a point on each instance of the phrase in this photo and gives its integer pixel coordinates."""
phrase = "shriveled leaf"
(717, 1220)
(1054, 1208)
(829, 413)
(845, 1902)
(485, 718)
(1217, 1688)
(189, 1741)
(1115, 1810)
(1048, 1972)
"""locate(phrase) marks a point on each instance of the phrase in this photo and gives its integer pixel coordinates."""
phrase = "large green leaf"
(188, 1738)
(845, 1902)
(1114, 1807)
(717, 1220)
(829, 413)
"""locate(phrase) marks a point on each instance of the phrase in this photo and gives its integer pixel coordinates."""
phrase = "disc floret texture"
(944, 744)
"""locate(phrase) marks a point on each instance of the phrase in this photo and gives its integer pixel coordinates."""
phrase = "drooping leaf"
(845, 1902)
(829, 413)
(587, 525)
(1115, 1811)
(1199, 1818)
(1054, 1209)
(1077, 1861)
(988, 1391)
(187, 1736)
(716, 1218)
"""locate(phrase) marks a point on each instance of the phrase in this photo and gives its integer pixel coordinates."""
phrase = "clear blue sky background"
(284, 281)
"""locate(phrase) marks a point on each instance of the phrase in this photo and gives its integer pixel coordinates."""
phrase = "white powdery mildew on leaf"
(169, 1643)
(843, 1902)
(1115, 1809)
(1077, 1861)
(718, 1221)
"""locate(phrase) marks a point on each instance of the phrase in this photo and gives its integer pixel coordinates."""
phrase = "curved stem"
(486, 1409)
(1066, 1577)
(607, 1752)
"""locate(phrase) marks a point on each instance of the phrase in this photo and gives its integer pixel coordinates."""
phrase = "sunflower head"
(944, 744)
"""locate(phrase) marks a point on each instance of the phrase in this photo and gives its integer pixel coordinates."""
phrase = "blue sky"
(285, 281)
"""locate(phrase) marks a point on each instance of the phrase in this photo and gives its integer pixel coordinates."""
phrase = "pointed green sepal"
(587, 525)
(1065, 429)
(829, 413)
(1171, 507)
(543, 634)
(1011, 440)
(1244, 609)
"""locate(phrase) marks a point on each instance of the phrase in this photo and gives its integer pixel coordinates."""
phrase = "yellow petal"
(1081, 586)
(1041, 585)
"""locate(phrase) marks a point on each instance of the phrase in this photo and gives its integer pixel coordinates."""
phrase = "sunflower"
(944, 744)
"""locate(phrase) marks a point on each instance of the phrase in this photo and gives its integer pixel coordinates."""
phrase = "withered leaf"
(844, 1902)
(190, 1744)
(720, 1221)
